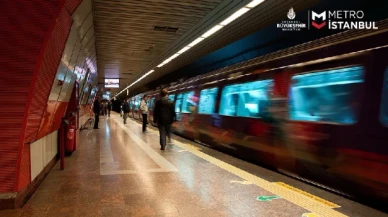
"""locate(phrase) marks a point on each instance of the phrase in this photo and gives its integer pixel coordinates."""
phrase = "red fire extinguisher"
(69, 146)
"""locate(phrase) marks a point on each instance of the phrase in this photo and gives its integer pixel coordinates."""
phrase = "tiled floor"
(118, 171)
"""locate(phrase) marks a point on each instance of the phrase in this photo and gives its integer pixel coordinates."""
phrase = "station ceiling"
(133, 37)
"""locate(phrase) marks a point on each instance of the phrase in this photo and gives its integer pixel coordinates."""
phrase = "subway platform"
(119, 171)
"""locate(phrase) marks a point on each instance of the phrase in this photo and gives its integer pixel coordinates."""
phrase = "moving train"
(317, 112)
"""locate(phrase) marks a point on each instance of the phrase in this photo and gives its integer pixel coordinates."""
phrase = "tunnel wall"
(32, 45)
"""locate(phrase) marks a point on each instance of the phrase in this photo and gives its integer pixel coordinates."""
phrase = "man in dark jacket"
(96, 110)
(164, 116)
(126, 110)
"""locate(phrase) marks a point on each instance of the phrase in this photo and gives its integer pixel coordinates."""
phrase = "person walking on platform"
(121, 109)
(126, 110)
(109, 108)
(164, 116)
(144, 112)
(96, 110)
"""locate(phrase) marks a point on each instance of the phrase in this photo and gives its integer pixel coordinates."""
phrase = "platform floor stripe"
(321, 209)
(301, 200)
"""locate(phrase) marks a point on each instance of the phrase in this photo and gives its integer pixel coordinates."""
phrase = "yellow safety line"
(318, 199)
(305, 201)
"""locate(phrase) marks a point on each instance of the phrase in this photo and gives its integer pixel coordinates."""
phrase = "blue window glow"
(327, 96)
(247, 99)
(188, 102)
(171, 97)
(178, 103)
(384, 101)
(184, 102)
(150, 103)
(207, 101)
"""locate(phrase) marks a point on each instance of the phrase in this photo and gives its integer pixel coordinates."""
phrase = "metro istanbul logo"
(316, 16)
(341, 20)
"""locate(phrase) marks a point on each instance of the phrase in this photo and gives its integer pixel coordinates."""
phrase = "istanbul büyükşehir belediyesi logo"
(341, 20)
(291, 24)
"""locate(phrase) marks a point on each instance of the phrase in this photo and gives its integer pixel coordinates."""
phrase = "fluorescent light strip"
(212, 31)
(184, 49)
(166, 61)
(174, 56)
(145, 75)
(234, 16)
(195, 42)
(254, 3)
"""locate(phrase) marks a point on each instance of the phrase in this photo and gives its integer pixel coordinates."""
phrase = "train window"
(151, 103)
(384, 102)
(178, 103)
(247, 99)
(171, 97)
(207, 101)
(327, 96)
(188, 102)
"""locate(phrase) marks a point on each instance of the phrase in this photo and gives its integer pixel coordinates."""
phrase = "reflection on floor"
(119, 171)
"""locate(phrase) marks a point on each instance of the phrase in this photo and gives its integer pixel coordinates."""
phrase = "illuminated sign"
(112, 83)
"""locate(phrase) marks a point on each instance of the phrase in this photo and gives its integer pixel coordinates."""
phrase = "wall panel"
(42, 152)
(46, 74)
(24, 29)
(34, 37)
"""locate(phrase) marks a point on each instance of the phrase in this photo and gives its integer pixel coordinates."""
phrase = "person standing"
(96, 110)
(109, 108)
(126, 110)
(144, 111)
(164, 116)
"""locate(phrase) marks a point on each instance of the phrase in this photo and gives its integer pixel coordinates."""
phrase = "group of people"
(100, 109)
(164, 115)
(105, 109)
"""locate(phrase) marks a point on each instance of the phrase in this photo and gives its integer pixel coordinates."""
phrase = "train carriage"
(318, 111)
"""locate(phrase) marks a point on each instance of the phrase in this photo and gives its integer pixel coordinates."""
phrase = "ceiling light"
(174, 56)
(184, 49)
(254, 3)
(195, 42)
(212, 31)
(234, 16)
(166, 61)
(160, 65)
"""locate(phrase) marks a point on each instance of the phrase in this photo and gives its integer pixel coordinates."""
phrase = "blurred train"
(317, 111)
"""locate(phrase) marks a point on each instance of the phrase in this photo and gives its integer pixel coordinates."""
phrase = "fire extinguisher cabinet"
(69, 145)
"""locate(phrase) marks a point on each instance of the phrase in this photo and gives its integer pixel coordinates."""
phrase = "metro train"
(317, 112)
